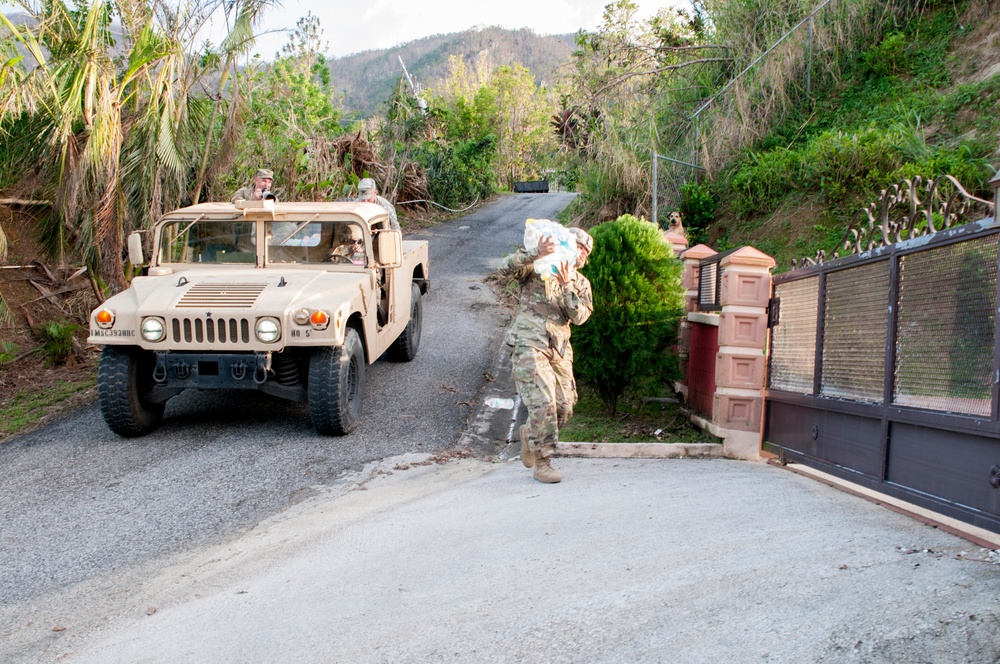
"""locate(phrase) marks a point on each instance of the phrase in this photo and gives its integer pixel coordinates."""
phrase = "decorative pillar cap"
(673, 237)
(749, 256)
(697, 252)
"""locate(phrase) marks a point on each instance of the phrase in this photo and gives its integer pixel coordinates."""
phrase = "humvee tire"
(336, 386)
(124, 379)
(405, 347)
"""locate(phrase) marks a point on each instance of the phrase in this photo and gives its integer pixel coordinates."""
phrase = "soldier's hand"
(563, 273)
(546, 245)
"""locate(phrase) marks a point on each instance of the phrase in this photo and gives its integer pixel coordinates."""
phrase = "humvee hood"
(272, 292)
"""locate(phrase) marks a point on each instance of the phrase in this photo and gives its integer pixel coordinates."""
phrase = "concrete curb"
(641, 450)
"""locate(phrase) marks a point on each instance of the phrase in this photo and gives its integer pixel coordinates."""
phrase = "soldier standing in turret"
(543, 356)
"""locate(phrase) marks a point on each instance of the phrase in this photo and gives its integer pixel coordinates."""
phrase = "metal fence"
(885, 363)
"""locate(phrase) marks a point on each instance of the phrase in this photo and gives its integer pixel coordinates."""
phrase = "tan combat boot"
(527, 456)
(544, 472)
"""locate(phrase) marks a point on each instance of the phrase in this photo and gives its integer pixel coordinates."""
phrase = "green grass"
(27, 407)
(636, 422)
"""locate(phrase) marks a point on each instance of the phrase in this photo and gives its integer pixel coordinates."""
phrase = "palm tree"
(105, 115)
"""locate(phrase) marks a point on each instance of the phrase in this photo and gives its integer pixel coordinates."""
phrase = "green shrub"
(698, 209)
(638, 302)
(889, 58)
(58, 341)
(842, 165)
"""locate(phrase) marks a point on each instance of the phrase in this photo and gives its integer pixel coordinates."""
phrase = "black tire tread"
(328, 399)
(123, 408)
(405, 347)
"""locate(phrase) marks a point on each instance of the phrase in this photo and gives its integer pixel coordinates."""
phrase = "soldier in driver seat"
(351, 249)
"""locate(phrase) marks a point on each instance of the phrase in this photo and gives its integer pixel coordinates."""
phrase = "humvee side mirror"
(389, 244)
(135, 248)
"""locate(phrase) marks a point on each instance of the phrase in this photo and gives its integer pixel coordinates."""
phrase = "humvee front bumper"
(176, 371)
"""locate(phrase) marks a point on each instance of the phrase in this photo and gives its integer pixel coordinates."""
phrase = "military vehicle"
(290, 299)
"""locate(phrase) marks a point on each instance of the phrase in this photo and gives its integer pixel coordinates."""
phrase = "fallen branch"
(24, 355)
(48, 272)
(77, 273)
(24, 202)
(47, 294)
(63, 291)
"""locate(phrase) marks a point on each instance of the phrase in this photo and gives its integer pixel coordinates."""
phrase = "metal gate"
(885, 365)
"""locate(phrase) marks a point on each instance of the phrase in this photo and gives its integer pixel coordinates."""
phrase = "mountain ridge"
(365, 80)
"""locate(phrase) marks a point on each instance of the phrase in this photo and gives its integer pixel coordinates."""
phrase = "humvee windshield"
(235, 241)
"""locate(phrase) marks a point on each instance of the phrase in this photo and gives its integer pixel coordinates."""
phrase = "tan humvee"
(297, 316)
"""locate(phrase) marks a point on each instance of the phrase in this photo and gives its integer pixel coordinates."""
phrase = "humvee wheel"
(336, 386)
(405, 347)
(124, 380)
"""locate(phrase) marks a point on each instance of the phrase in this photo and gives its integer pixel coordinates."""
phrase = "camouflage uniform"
(388, 207)
(543, 357)
(244, 194)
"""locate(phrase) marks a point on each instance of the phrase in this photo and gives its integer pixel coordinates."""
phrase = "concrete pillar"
(677, 241)
(738, 407)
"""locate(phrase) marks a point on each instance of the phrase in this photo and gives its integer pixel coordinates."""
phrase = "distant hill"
(366, 79)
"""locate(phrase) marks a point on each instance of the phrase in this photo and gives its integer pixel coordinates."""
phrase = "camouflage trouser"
(544, 379)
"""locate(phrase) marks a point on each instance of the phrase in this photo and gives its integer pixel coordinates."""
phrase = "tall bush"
(638, 302)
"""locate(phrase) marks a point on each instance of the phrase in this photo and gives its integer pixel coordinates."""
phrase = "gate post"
(689, 281)
(740, 366)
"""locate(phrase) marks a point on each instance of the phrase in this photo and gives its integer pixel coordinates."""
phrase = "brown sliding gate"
(885, 365)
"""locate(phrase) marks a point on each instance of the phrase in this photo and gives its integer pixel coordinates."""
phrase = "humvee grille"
(231, 296)
(211, 330)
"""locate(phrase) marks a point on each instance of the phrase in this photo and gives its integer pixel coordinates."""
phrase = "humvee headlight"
(152, 329)
(105, 319)
(319, 320)
(301, 317)
(267, 330)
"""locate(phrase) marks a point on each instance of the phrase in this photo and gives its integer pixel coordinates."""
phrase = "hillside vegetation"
(365, 80)
(922, 101)
(895, 90)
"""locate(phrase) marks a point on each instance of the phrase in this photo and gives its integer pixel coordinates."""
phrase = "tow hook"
(160, 370)
(260, 372)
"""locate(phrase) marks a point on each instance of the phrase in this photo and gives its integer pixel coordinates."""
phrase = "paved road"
(625, 561)
(76, 501)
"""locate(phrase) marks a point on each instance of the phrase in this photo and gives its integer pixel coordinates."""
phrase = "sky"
(361, 25)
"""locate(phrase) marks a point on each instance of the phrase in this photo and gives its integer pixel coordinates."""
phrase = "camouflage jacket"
(244, 194)
(388, 207)
(547, 307)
